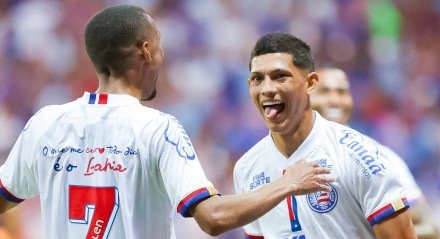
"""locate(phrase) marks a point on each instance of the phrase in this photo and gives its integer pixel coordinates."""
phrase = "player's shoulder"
(360, 151)
(356, 145)
(147, 116)
(330, 130)
(145, 112)
(253, 155)
(158, 122)
(51, 112)
(44, 118)
(245, 166)
(345, 136)
(389, 153)
(342, 137)
(166, 118)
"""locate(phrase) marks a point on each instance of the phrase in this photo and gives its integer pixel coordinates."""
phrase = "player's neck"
(116, 85)
(288, 143)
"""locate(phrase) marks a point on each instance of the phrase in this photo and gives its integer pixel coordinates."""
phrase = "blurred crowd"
(389, 49)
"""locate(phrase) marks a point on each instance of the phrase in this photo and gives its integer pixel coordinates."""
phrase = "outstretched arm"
(221, 213)
(397, 226)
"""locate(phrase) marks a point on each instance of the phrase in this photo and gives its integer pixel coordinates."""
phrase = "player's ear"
(145, 52)
(312, 81)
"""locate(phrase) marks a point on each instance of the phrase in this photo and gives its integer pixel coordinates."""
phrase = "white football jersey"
(413, 191)
(366, 189)
(105, 167)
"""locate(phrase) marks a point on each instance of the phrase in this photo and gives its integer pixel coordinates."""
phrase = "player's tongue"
(272, 111)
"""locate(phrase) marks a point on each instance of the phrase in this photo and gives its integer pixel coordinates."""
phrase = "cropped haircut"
(111, 34)
(280, 42)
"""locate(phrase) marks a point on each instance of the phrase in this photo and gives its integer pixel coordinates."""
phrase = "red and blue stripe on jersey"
(248, 236)
(193, 198)
(388, 210)
(293, 212)
(8, 195)
(102, 99)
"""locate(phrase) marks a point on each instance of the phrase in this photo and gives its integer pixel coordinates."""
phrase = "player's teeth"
(270, 103)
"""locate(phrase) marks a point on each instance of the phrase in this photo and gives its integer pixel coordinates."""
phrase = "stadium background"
(390, 50)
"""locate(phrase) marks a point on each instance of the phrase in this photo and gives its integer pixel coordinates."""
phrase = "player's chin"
(151, 96)
(277, 127)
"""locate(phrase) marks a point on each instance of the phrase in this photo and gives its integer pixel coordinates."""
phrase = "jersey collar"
(91, 98)
(303, 150)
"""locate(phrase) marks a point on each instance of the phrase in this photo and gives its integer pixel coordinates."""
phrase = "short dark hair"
(111, 33)
(281, 42)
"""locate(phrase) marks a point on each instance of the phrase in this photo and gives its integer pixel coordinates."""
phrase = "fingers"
(320, 170)
(309, 177)
(325, 180)
(321, 186)
(313, 164)
(325, 187)
(303, 161)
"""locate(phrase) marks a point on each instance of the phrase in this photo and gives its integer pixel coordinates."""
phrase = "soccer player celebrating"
(366, 200)
(332, 98)
(105, 166)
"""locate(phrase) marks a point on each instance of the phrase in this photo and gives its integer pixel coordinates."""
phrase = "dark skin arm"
(216, 214)
(219, 214)
(397, 226)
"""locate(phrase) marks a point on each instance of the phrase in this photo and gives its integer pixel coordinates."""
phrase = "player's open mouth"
(273, 108)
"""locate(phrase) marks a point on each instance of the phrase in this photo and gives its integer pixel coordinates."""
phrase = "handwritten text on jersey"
(100, 159)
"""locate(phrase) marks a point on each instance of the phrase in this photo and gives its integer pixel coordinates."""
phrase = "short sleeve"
(237, 183)
(251, 230)
(413, 191)
(17, 180)
(375, 182)
(180, 169)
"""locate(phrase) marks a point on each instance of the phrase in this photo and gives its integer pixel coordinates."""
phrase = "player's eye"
(256, 78)
(279, 76)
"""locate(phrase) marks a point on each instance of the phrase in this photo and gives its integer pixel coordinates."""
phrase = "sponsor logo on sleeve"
(360, 150)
